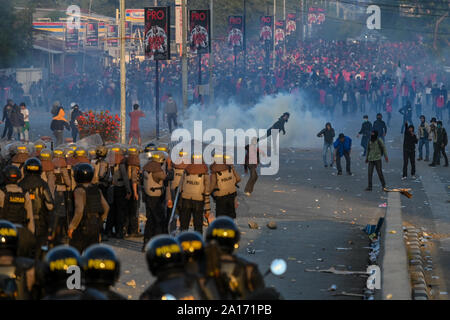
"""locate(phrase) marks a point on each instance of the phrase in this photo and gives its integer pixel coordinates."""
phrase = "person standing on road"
(342, 148)
(251, 163)
(58, 124)
(424, 139)
(16, 118)
(7, 109)
(380, 126)
(375, 150)
(328, 134)
(74, 120)
(409, 151)
(436, 151)
(135, 131)
(170, 112)
(441, 141)
(366, 129)
(24, 134)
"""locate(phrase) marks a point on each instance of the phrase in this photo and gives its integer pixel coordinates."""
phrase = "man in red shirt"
(135, 132)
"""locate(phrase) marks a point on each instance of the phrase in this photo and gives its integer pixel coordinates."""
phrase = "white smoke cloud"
(301, 129)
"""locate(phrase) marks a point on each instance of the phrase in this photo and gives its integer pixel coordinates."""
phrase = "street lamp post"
(123, 76)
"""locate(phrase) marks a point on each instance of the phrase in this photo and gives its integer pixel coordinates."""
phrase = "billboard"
(316, 15)
(236, 31)
(291, 24)
(113, 35)
(279, 32)
(199, 31)
(92, 35)
(266, 31)
(157, 33)
(71, 38)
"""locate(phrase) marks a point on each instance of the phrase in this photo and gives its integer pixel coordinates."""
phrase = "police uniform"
(133, 170)
(48, 168)
(153, 187)
(42, 204)
(120, 190)
(194, 190)
(15, 206)
(91, 209)
(223, 188)
(62, 190)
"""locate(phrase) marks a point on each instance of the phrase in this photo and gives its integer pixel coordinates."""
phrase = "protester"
(441, 141)
(380, 126)
(74, 114)
(7, 109)
(251, 163)
(342, 148)
(58, 124)
(328, 134)
(170, 112)
(406, 111)
(365, 131)
(17, 122)
(376, 149)
(24, 134)
(424, 139)
(135, 131)
(409, 151)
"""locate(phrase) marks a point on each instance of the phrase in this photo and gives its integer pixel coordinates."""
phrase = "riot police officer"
(57, 262)
(224, 179)
(41, 199)
(16, 207)
(91, 209)
(63, 186)
(194, 190)
(178, 170)
(101, 169)
(39, 145)
(13, 269)
(101, 270)
(243, 277)
(198, 264)
(121, 191)
(48, 168)
(165, 261)
(153, 191)
(133, 170)
(19, 155)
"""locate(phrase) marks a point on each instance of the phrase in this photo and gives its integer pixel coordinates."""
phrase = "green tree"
(15, 35)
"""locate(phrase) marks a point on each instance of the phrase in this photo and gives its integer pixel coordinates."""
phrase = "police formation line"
(82, 197)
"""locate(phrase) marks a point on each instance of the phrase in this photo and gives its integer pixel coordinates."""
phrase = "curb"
(395, 278)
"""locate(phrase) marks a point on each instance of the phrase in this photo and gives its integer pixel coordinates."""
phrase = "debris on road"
(253, 225)
(131, 283)
(272, 225)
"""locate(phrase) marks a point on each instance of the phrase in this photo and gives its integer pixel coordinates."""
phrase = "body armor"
(193, 187)
(226, 182)
(14, 207)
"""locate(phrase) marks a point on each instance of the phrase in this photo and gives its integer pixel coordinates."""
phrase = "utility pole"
(184, 66)
(157, 88)
(123, 77)
(245, 37)
(211, 56)
(273, 32)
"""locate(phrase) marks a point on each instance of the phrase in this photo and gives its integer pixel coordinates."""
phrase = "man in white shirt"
(24, 134)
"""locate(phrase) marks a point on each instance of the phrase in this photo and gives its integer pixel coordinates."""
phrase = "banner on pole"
(316, 15)
(113, 36)
(199, 31)
(266, 32)
(236, 32)
(71, 37)
(291, 24)
(178, 22)
(92, 34)
(157, 33)
(279, 32)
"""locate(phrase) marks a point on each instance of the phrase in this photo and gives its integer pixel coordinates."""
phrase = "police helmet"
(159, 156)
(150, 147)
(83, 173)
(46, 154)
(39, 145)
(92, 152)
(100, 265)
(9, 236)
(73, 146)
(117, 149)
(21, 149)
(192, 244)
(197, 158)
(12, 174)
(33, 166)
(57, 261)
(133, 151)
(101, 151)
(163, 252)
(163, 147)
(225, 232)
(58, 153)
(80, 152)
(68, 152)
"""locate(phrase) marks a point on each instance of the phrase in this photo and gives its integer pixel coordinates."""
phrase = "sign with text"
(92, 35)
(157, 33)
(199, 31)
(236, 31)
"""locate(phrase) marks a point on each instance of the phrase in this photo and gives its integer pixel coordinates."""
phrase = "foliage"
(103, 123)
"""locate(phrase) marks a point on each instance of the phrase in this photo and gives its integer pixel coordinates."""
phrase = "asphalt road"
(320, 217)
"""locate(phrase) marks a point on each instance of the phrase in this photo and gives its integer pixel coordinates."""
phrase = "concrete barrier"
(395, 278)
